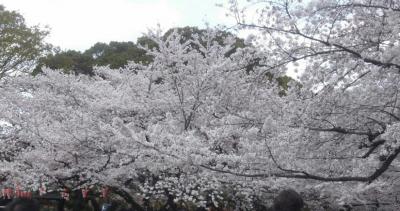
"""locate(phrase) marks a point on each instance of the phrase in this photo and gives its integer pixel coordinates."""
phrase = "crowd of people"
(287, 200)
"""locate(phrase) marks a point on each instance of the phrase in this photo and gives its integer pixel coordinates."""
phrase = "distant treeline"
(115, 54)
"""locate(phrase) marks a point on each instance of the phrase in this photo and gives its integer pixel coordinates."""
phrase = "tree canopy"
(118, 54)
(216, 126)
(20, 45)
(67, 61)
(347, 112)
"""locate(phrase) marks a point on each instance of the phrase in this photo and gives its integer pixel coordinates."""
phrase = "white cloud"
(78, 24)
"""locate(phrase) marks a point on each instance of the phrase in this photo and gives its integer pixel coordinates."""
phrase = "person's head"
(288, 200)
(23, 205)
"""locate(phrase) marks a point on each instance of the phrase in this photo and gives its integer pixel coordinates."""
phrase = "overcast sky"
(78, 24)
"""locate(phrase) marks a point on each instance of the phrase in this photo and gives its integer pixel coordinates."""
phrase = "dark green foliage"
(283, 82)
(114, 54)
(67, 61)
(117, 54)
(146, 42)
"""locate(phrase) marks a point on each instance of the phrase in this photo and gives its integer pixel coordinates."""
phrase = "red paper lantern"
(18, 192)
(85, 192)
(104, 192)
(42, 190)
(9, 193)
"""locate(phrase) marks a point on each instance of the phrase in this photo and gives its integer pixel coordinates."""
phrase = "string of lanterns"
(10, 193)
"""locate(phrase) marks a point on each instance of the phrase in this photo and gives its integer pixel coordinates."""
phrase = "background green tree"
(68, 61)
(117, 54)
(20, 45)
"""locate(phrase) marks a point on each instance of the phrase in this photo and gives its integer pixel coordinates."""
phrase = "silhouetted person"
(23, 205)
(288, 200)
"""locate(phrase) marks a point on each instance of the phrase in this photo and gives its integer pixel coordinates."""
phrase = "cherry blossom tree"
(142, 129)
(340, 130)
(198, 124)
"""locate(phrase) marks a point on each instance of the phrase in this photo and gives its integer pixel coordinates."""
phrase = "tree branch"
(305, 175)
